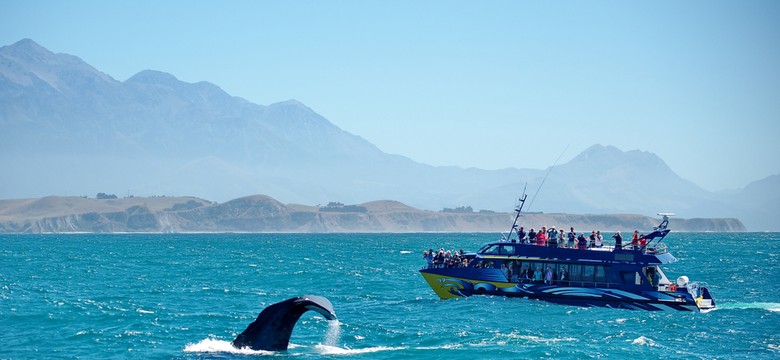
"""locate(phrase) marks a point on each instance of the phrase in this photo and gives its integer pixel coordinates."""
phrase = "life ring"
(672, 287)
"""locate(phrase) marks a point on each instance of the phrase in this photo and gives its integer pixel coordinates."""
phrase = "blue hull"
(448, 286)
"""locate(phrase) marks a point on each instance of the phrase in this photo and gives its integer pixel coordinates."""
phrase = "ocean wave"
(644, 340)
(770, 306)
(221, 346)
(334, 350)
(211, 345)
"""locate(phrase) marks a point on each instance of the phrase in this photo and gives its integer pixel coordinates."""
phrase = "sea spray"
(333, 335)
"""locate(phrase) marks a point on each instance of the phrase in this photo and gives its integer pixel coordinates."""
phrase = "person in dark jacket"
(618, 240)
(582, 243)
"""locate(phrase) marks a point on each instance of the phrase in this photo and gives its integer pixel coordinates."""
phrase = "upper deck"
(655, 254)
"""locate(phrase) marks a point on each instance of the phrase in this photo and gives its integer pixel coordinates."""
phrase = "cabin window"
(493, 249)
(587, 273)
(575, 273)
(506, 250)
(600, 275)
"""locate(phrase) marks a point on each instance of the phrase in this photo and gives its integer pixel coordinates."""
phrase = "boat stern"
(705, 302)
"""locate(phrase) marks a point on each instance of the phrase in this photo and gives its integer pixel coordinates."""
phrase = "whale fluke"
(273, 327)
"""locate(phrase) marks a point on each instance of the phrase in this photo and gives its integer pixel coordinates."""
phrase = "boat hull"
(447, 286)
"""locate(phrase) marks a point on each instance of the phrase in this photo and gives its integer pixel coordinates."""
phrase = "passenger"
(505, 272)
(592, 238)
(572, 236)
(552, 237)
(456, 260)
(635, 240)
(524, 276)
(563, 278)
(448, 259)
(428, 258)
(538, 275)
(531, 237)
(618, 240)
(582, 243)
(599, 239)
(548, 276)
(540, 238)
(642, 241)
(521, 235)
(510, 270)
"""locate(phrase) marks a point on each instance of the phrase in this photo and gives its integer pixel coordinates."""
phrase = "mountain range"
(68, 129)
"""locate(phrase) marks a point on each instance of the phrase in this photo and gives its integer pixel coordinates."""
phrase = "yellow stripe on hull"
(441, 284)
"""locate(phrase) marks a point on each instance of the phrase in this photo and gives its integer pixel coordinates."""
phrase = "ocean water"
(186, 296)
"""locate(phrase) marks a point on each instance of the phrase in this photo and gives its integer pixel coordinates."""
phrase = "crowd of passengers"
(445, 258)
(544, 237)
(559, 238)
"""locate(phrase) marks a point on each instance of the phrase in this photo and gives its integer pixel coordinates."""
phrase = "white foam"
(769, 306)
(643, 340)
(221, 346)
(405, 252)
(333, 350)
(142, 311)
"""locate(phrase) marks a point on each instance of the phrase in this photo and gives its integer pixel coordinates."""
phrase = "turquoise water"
(188, 296)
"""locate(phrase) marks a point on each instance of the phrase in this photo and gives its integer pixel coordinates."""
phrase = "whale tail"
(273, 326)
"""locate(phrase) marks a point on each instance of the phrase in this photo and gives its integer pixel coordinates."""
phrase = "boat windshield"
(497, 249)
(484, 248)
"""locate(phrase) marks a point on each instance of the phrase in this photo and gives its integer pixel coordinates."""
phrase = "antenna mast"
(518, 209)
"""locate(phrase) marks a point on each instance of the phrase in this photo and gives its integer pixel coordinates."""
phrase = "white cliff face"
(261, 213)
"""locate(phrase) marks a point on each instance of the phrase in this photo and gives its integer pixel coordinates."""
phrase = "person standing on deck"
(582, 243)
(552, 237)
(618, 240)
(521, 235)
(572, 236)
(541, 237)
(635, 240)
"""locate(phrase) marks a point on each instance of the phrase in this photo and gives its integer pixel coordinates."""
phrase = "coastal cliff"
(261, 213)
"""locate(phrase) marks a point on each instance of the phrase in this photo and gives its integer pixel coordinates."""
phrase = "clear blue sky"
(482, 84)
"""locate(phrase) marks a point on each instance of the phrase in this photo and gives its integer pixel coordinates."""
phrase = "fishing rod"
(548, 174)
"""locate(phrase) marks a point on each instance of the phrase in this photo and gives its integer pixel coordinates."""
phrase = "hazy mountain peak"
(610, 155)
(154, 77)
(25, 46)
(25, 60)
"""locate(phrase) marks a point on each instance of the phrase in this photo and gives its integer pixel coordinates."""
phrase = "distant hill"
(67, 128)
(259, 213)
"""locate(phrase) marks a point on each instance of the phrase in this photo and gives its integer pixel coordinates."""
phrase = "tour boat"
(625, 276)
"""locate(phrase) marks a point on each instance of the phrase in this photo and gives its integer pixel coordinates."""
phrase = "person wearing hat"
(552, 237)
